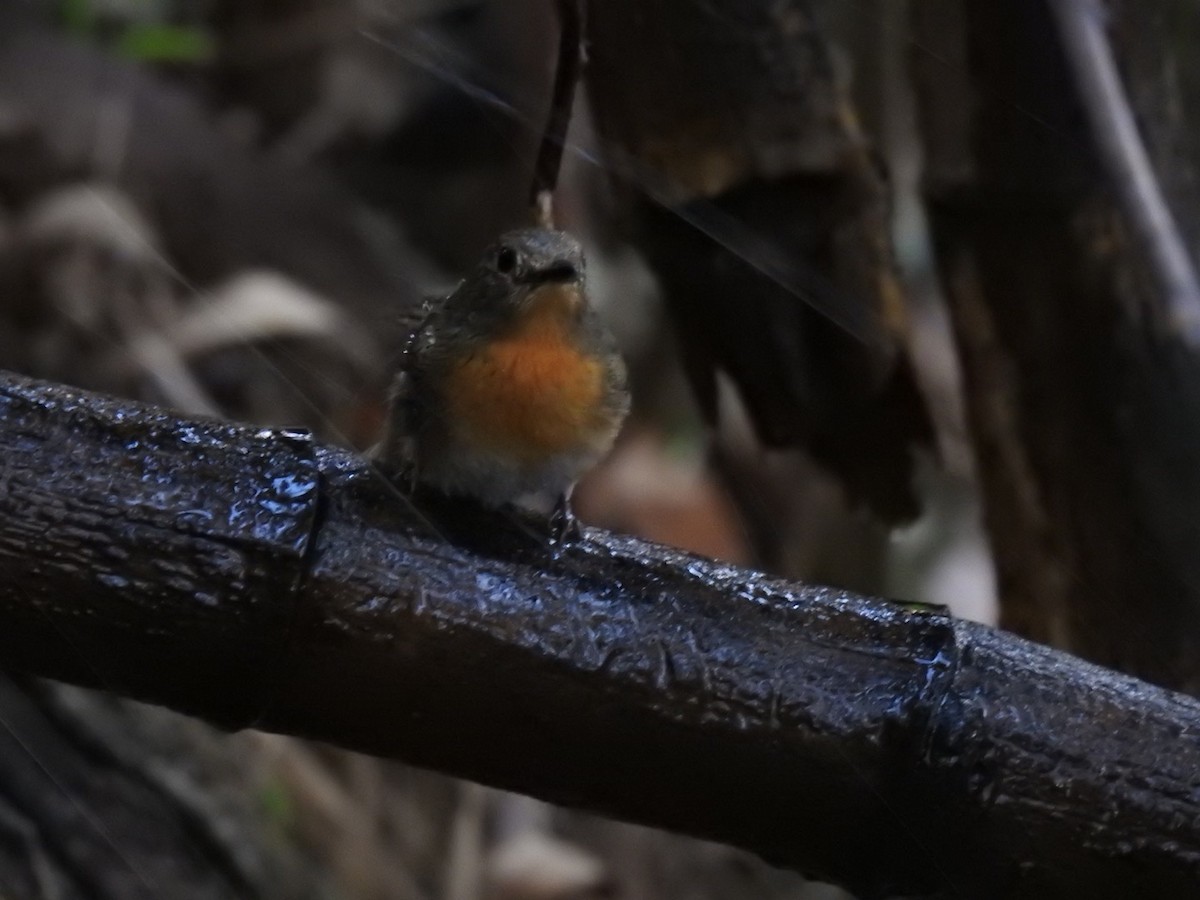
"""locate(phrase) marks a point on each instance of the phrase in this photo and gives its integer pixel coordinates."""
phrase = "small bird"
(511, 387)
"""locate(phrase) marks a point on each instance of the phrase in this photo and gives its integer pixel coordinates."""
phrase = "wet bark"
(253, 578)
(1082, 381)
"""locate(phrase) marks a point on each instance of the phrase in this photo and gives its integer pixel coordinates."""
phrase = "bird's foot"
(564, 527)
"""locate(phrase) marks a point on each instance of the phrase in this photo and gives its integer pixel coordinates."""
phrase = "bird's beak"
(556, 273)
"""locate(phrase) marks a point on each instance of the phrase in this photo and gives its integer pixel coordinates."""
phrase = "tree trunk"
(764, 213)
(1083, 397)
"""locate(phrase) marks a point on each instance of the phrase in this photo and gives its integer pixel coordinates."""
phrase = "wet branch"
(253, 578)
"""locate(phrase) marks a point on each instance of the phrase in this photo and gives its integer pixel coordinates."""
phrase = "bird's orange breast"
(535, 392)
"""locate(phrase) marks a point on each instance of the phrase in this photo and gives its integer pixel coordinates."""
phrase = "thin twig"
(566, 77)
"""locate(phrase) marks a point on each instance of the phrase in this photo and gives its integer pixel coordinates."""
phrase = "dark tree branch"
(253, 578)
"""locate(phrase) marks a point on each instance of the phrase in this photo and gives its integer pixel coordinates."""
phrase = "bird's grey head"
(515, 267)
(531, 257)
(535, 256)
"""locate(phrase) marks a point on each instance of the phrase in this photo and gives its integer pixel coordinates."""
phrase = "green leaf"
(165, 43)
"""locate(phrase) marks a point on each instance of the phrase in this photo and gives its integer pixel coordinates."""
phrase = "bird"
(511, 387)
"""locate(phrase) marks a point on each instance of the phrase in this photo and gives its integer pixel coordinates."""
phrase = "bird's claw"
(564, 527)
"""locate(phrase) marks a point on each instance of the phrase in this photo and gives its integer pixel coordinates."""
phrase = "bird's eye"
(506, 260)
